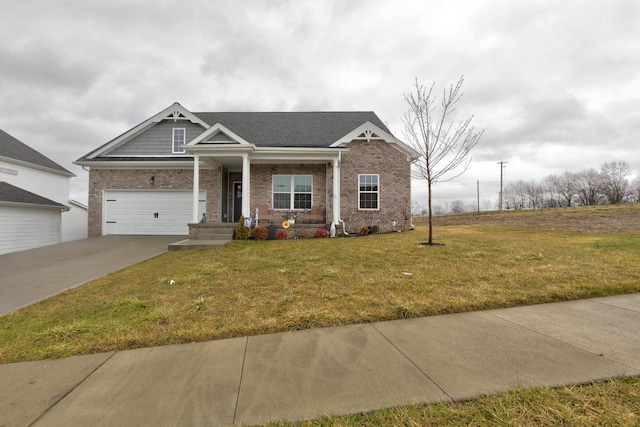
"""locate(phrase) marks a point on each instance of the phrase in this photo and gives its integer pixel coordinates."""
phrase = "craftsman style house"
(340, 168)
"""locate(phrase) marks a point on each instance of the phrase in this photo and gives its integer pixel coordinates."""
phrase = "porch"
(278, 183)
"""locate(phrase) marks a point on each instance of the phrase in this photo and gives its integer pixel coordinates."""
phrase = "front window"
(368, 192)
(292, 191)
(179, 136)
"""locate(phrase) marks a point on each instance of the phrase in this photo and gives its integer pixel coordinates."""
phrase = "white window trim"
(292, 192)
(173, 140)
(369, 192)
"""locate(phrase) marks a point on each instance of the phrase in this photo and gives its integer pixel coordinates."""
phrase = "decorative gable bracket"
(367, 135)
(368, 131)
(176, 115)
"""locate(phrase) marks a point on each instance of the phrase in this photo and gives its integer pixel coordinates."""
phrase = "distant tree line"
(613, 184)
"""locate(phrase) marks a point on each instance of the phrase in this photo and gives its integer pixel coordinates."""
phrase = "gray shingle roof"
(292, 129)
(11, 193)
(11, 148)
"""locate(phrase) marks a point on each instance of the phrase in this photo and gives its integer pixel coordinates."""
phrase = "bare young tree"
(444, 146)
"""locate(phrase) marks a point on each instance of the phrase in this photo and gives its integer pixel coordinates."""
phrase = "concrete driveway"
(30, 276)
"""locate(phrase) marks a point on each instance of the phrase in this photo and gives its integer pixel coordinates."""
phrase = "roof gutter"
(62, 208)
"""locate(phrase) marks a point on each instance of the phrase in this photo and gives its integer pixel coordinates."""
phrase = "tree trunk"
(430, 242)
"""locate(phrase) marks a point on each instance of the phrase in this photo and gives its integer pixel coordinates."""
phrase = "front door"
(237, 201)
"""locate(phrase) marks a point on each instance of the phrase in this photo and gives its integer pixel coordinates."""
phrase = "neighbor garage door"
(24, 228)
(149, 212)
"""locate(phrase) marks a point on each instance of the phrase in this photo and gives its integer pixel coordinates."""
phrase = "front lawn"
(259, 287)
(611, 403)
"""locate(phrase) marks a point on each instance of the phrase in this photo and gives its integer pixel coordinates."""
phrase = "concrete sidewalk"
(342, 370)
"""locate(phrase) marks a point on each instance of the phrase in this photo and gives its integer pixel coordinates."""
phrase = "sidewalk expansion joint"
(62, 397)
(412, 362)
(244, 359)
(600, 301)
(563, 341)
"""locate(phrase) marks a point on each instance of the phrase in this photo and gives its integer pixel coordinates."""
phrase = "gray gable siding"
(158, 140)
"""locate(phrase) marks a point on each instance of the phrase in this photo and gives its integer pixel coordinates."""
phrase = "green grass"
(249, 288)
(613, 403)
(258, 287)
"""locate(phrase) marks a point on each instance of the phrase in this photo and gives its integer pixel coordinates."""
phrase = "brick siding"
(140, 179)
(363, 157)
(376, 157)
(262, 177)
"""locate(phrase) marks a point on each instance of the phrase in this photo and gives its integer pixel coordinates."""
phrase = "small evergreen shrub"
(242, 232)
(321, 233)
(282, 234)
(260, 233)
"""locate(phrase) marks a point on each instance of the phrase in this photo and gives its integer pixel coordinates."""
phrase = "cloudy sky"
(556, 83)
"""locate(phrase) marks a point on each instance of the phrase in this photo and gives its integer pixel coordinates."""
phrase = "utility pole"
(478, 194)
(502, 166)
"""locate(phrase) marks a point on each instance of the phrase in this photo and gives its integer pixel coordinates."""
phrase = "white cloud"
(556, 84)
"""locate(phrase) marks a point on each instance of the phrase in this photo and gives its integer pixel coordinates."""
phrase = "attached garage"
(27, 220)
(23, 228)
(149, 212)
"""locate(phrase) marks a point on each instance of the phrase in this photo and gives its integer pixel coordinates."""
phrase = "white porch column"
(246, 187)
(196, 187)
(336, 191)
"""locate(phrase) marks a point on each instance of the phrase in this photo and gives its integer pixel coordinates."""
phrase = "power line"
(460, 184)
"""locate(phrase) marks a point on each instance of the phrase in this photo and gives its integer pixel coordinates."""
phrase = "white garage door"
(24, 228)
(149, 212)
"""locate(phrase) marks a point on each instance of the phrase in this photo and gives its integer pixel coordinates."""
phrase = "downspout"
(196, 188)
(336, 194)
(60, 230)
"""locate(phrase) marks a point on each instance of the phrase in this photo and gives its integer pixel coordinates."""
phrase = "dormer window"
(179, 139)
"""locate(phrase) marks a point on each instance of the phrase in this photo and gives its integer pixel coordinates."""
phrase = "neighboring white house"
(34, 199)
(74, 222)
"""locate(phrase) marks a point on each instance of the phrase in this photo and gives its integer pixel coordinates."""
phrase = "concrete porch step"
(215, 235)
(204, 236)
